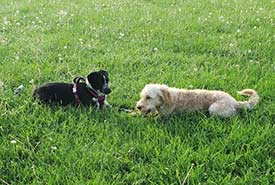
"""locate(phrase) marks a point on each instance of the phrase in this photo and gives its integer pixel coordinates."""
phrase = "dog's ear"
(105, 73)
(92, 76)
(165, 95)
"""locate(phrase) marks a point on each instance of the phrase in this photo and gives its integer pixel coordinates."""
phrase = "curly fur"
(165, 100)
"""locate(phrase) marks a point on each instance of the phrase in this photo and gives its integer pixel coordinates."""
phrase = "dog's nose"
(139, 107)
(107, 91)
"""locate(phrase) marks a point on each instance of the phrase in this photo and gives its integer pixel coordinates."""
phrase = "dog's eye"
(148, 97)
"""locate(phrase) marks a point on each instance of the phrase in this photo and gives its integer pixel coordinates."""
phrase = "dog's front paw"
(107, 105)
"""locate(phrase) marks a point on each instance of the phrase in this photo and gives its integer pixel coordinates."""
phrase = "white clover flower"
(121, 34)
(13, 141)
(5, 41)
(53, 147)
(221, 18)
(81, 41)
(62, 13)
(59, 57)
(1, 84)
(5, 21)
(65, 47)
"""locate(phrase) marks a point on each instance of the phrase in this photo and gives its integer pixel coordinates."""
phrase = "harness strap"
(75, 94)
(100, 99)
(77, 79)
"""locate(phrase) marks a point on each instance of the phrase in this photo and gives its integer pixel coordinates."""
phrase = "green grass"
(213, 44)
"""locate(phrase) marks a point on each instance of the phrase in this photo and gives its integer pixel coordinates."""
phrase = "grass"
(214, 44)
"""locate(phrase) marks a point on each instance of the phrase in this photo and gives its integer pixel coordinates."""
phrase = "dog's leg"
(106, 104)
(222, 108)
(96, 104)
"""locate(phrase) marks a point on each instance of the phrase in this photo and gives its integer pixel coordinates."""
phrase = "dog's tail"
(252, 101)
(35, 94)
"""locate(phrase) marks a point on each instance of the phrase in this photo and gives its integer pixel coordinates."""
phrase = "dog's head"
(99, 81)
(153, 96)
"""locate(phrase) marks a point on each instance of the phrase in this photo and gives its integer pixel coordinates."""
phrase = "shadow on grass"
(198, 125)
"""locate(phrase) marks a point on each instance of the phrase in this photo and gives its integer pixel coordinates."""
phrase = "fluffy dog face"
(152, 97)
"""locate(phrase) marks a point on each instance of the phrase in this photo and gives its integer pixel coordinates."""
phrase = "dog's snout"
(139, 107)
(107, 91)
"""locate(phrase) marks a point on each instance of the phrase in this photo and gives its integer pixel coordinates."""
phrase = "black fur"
(61, 93)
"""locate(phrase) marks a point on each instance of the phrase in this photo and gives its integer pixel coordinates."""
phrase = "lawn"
(213, 44)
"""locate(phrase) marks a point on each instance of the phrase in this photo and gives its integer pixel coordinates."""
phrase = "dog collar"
(93, 92)
(89, 85)
(99, 99)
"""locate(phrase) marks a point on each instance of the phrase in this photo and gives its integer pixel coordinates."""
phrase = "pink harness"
(99, 99)
(75, 94)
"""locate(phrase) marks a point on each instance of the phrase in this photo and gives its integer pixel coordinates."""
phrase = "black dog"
(91, 91)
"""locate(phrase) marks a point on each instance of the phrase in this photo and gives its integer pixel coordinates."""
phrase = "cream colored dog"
(165, 100)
